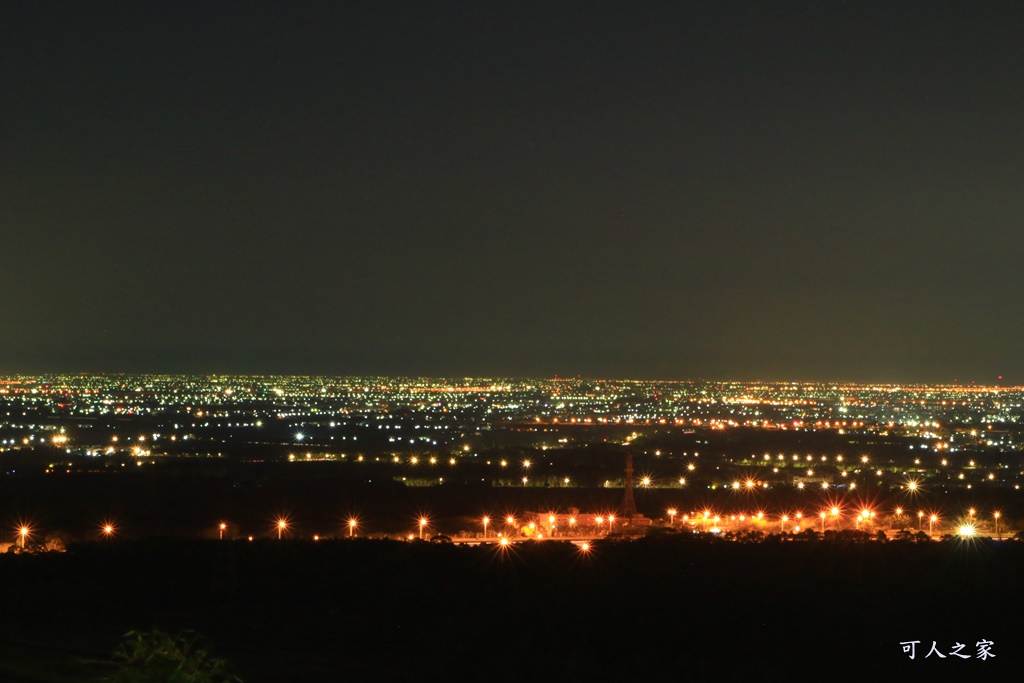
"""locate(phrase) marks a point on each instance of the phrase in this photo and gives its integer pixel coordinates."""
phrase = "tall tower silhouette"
(628, 506)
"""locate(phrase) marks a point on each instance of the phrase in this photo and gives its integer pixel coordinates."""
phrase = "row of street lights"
(24, 531)
(511, 522)
(865, 516)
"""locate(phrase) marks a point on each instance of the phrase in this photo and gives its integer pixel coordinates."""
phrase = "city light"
(189, 409)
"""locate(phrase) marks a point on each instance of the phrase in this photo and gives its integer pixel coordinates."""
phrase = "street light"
(281, 526)
(611, 523)
(221, 527)
(672, 517)
(423, 523)
(551, 524)
(862, 517)
(22, 533)
(784, 519)
(931, 523)
(351, 527)
(823, 522)
(995, 515)
(108, 529)
(486, 521)
(920, 520)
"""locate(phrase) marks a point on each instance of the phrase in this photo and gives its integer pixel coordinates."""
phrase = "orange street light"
(221, 527)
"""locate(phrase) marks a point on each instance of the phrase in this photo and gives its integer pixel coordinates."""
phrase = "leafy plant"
(158, 657)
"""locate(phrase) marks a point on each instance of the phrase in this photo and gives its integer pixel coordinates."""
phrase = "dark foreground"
(675, 608)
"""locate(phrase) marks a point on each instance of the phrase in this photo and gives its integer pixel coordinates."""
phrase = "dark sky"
(762, 190)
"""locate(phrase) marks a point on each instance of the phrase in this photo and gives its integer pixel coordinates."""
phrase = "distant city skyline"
(739, 192)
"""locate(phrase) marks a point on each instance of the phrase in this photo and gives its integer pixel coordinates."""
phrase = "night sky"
(724, 190)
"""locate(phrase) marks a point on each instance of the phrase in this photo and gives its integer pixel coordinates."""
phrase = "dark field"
(673, 608)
